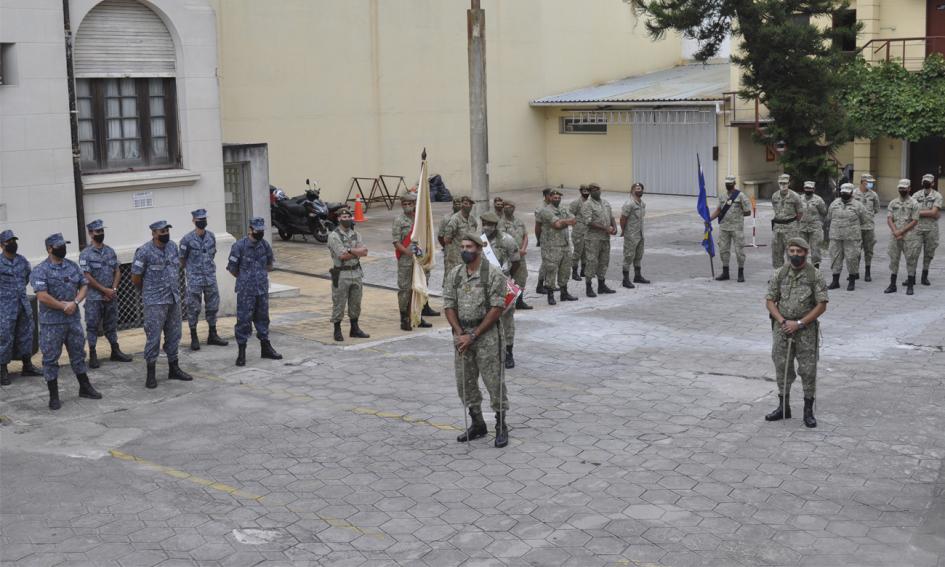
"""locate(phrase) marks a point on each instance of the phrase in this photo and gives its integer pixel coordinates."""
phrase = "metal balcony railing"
(741, 112)
(910, 52)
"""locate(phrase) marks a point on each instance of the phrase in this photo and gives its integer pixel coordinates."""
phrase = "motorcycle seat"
(292, 207)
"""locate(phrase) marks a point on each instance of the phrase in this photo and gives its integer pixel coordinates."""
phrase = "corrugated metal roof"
(684, 83)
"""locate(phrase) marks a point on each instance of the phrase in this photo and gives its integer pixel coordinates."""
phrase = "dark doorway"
(926, 156)
(935, 27)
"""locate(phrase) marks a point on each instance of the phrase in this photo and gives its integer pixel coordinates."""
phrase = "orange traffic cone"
(359, 211)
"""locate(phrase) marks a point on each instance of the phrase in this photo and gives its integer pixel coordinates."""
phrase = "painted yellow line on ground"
(182, 475)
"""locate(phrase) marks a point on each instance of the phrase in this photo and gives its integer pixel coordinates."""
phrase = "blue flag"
(703, 209)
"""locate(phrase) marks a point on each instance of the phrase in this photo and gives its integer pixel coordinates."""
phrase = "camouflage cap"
(489, 217)
(257, 223)
(343, 211)
(56, 240)
(784, 178)
(509, 203)
(199, 213)
(865, 176)
(7, 235)
(904, 183)
(593, 187)
(159, 225)
(799, 242)
(457, 200)
(473, 237)
(408, 197)
(846, 188)
(556, 192)
(729, 179)
(928, 177)
(97, 224)
(809, 184)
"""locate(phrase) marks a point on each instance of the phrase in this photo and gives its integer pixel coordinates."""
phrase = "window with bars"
(127, 124)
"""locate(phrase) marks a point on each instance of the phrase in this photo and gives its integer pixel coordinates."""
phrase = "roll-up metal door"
(664, 153)
(123, 38)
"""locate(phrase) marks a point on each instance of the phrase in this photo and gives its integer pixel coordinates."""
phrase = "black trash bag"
(438, 191)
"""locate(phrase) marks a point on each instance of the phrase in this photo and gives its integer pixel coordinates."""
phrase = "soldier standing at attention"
(797, 297)
(597, 215)
(198, 248)
(556, 251)
(155, 271)
(902, 219)
(514, 227)
(473, 297)
(498, 205)
(60, 287)
(250, 261)
(506, 252)
(545, 201)
(631, 223)
(788, 211)
(812, 223)
(16, 314)
(578, 233)
(866, 196)
(457, 204)
(400, 232)
(733, 207)
(846, 217)
(930, 204)
(347, 249)
(458, 225)
(99, 265)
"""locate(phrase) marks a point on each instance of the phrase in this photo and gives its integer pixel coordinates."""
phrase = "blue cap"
(158, 225)
(199, 214)
(56, 240)
(97, 224)
(7, 235)
(257, 223)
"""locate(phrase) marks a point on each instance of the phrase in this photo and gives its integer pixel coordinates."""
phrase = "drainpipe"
(74, 127)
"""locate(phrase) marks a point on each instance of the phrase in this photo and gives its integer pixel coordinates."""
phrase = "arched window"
(125, 65)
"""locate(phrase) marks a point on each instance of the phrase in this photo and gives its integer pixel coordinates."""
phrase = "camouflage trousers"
(521, 274)
(868, 242)
(928, 243)
(16, 332)
(841, 250)
(348, 293)
(209, 295)
(51, 340)
(596, 257)
(815, 237)
(632, 251)
(556, 263)
(161, 319)
(486, 357)
(779, 245)
(105, 312)
(404, 282)
(578, 239)
(252, 309)
(908, 247)
(728, 239)
(803, 352)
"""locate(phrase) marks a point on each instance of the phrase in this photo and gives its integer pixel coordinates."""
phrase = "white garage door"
(665, 147)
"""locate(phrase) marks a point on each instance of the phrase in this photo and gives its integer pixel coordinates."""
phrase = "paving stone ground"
(637, 437)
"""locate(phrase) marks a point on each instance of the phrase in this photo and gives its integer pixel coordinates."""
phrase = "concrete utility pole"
(478, 121)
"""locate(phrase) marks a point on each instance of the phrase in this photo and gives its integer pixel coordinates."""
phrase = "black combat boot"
(53, 387)
(589, 288)
(835, 283)
(851, 282)
(194, 341)
(602, 286)
(565, 295)
(423, 325)
(626, 280)
(724, 275)
(925, 278)
(809, 420)
(151, 381)
(910, 283)
(509, 359)
(551, 296)
(338, 336)
(404, 322)
(477, 428)
(357, 333)
(4, 376)
(85, 388)
(28, 368)
(581, 273)
(266, 350)
(428, 311)
(783, 411)
(214, 339)
(117, 355)
(892, 285)
(741, 275)
(93, 358)
(241, 355)
(520, 302)
(637, 277)
(541, 287)
(175, 373)
(501, 430)
(574, 274)
(866, 274)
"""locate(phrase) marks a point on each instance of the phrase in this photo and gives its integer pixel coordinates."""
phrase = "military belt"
(469, 323)
(784, 221)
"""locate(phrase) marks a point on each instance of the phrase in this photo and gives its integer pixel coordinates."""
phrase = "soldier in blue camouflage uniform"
(99, 264)
(347, 249)
(155, 271)
(60, 287)
(250, 262)
(16, 316)
(198, 248)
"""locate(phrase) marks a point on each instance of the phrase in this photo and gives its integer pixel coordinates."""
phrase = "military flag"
(703, 208)
(423, 243)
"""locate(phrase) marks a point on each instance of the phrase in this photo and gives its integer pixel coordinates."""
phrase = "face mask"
(869, 185)
(346, 223)
(164, 238)
(59, 252)
(729, 188)
(490, 231)
(797, 261)
(783, 187)
(11, 247)
(595, 196)
(467, 208)
(509, 213)
(98, 238)
(845, 196)
(926, 184)
(409, 212)
(808, 193)
(903, 193)
(258, 235)
(201, 224)
(556, 203)
(468, 257)
(585, 195)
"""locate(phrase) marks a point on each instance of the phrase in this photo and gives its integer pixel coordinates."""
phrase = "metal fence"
(130, 311)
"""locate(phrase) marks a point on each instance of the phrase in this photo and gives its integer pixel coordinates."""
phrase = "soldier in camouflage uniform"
(631, 223)
(474, 297)
(514, 227)
(16, 315)
(507, 253)
(155, 271)
(578, 232)
(846, 218)
(198, 249)
(250, 261)
(556, 250)
(598, 217)
(797, 297)
(788, 211)
(498, 205)
(812, 223)
(930, 204)
(736, 206)
(545, 201)
(347, 249)
(400, 233)
(459, 224)
(441, 228)
(99, 263)
(902, 220)
(866, 196)
(60, 287)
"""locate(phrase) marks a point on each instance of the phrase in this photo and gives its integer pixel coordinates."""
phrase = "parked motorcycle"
(327, 213)
(304, 214)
